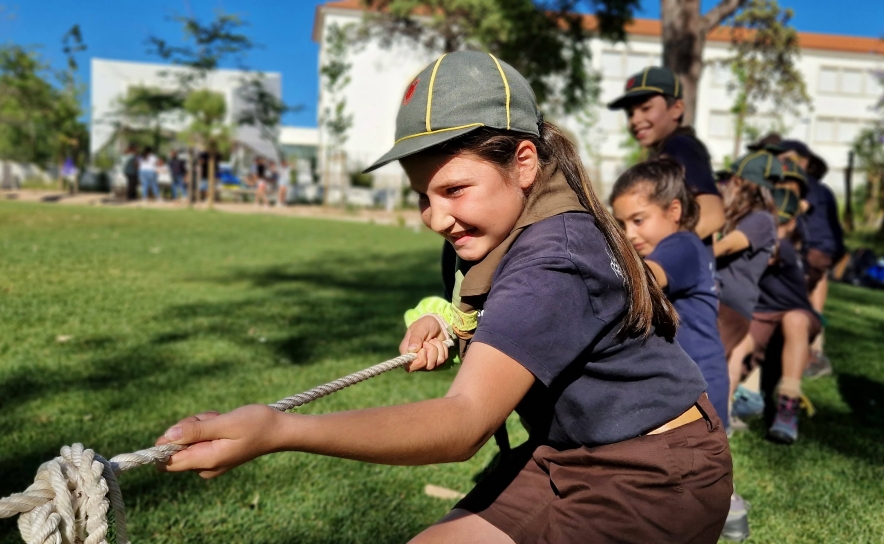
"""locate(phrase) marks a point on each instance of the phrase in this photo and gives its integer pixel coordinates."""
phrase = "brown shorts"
(766, 324)
(732, 326)
(669, 487)
(818, 265)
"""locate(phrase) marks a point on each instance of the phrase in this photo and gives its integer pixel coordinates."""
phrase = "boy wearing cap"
(654, 109)
(784, 322)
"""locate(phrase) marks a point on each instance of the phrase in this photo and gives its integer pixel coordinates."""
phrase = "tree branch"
(717, 14)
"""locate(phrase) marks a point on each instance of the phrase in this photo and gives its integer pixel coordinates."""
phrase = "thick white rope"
(71, 495)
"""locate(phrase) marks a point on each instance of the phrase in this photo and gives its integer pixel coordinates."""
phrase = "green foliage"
(263, 109)
(39, 122)
(172, 313)
(545, 41)
(140, 114)
(205, 46)
(764, 61)
(360, 179)
(335, 72)
(207, 110)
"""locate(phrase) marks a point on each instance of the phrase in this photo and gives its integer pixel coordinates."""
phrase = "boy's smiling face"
(651, 120)
(470, 201)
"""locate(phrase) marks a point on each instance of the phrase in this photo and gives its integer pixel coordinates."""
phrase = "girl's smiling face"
(646, 223)
(470, 201)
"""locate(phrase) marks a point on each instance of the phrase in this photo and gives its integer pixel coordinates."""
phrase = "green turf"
(173, 312)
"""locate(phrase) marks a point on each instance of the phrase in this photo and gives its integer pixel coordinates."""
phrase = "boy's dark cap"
(456, 94)
(787, 204)
(793, 172)
(770, 143)
(796, 146)
(650, 81)
(759, 167)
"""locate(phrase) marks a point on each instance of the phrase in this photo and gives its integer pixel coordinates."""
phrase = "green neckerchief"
(550, 195)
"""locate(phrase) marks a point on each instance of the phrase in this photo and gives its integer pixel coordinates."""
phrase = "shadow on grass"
(327, 308)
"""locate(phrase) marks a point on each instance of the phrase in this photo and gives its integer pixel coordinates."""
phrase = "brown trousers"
(818, 265)
(672, 487)
(732, 326)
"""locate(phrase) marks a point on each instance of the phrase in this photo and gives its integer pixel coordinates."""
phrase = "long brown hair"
(742, 197)
(662, 181)
(648, 308)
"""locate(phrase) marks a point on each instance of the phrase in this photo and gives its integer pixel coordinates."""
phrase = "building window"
(848, 81)
(831, 130)
(612, 65)
(620, 65)
(721, 74)
(721, 124)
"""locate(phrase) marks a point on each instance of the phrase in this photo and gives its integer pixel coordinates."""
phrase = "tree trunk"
(739, 123)
(326, 182)
(211, 167)
(684, 36)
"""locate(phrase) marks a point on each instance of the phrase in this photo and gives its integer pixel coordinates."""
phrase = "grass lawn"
(174, 312)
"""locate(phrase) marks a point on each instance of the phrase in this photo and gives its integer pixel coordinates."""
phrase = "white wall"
(841, 87)
(112, 80)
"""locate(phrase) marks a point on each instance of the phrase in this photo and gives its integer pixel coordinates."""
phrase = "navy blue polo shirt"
(690, 273)
(556, 304)
(691, 154)
(783, 286)
(690, 276)
(739, 273)
(820, 225)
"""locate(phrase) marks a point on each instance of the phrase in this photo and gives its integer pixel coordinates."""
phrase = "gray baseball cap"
(457, 94)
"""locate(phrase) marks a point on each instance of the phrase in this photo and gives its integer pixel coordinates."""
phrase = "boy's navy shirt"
(739, 273)
(556, 305)
(691, 154)
(690, 273)
(821, 227)
(782, 286)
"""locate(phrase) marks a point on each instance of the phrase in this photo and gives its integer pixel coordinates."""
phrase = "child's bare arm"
(734, 242)
(659, 274)
(485, 391)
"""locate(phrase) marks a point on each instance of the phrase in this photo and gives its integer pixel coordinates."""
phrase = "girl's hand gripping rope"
(427, 338)
(221, 442)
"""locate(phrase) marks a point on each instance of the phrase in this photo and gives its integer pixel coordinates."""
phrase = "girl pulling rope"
(558, 319)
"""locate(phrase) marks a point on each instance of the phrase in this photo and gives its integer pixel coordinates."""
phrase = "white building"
(112, 79)
(839, 72)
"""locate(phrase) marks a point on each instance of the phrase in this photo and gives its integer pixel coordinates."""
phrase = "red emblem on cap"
(409, 92)
(630, 84)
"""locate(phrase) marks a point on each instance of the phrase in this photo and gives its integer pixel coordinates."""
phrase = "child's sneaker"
(785, 426)
(736, 528)
(747, 403)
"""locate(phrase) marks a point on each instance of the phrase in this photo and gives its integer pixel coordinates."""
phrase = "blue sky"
(118, 29)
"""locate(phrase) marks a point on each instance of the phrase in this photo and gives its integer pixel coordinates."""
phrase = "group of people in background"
(142, 169)
(743, 255)
(269, 179)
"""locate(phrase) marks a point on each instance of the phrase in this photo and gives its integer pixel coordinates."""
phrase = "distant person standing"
(178, 171)
(285, 182)
(130, 171)
(147, 171)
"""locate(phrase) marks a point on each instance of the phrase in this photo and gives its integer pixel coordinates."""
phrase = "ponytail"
(647, 306)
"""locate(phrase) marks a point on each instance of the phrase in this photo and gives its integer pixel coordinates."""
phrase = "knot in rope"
(68, 502)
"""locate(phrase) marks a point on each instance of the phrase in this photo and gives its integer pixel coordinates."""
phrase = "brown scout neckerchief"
(549, 195)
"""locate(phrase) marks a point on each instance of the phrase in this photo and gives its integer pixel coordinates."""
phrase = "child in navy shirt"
(742, 252)
(656, 209)
(784, 313)
(565, 325)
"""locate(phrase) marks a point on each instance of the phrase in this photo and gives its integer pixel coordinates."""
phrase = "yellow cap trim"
(506, 87)
(739, 172)
(430, 92)
(437, 131)
(645, 88)
(645, 76)
(675, 77)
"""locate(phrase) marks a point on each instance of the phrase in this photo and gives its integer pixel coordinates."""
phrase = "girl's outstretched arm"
(485, 391)
(733, 242)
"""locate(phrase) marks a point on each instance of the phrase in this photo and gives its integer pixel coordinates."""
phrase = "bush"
(359, 179)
